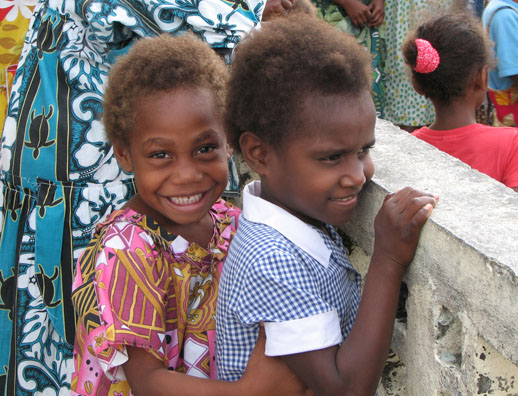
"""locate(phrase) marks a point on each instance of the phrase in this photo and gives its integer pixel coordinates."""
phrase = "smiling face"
(178, 153)
(317, 173)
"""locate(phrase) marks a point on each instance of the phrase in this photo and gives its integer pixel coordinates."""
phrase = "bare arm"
(377, 10)
(355, 367)
(358, 12)
(263, 376)
(147, 376)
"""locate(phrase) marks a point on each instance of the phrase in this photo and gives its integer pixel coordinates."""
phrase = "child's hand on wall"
(398, 225)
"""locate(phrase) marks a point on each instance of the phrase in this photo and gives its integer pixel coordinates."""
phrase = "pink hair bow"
(427, 57)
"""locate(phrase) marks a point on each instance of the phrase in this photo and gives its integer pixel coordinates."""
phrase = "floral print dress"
(403, 105)
(138, 285)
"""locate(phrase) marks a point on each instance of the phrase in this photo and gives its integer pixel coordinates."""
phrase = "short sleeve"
(282, 292)
(131, 286)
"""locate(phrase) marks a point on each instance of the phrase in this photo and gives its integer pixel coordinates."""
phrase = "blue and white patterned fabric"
(59, 176)
(289, 275)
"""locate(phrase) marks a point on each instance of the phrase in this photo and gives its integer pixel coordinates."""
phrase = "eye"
(159, 155)
(206, 149)
(366, 150)
(331, 158)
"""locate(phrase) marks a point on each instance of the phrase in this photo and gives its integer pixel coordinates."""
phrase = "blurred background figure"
(449, 57)
(500, 18)
(362, 19)
(403, 106)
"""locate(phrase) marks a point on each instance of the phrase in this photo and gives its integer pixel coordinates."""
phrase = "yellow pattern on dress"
(12, 35)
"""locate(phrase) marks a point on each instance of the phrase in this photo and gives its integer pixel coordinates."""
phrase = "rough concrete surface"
(463, 283)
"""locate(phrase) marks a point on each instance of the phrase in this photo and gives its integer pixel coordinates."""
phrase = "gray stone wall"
(457, 327)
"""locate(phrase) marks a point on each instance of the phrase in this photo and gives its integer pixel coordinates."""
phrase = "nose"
(354, 174)
(186, 171)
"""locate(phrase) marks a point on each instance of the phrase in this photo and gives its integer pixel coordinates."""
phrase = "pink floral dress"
(138, 285)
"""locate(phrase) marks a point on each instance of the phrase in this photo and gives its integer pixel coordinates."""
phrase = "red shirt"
(490, 150)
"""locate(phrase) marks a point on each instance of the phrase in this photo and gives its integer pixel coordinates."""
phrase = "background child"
(500, 18)
(450, 56)
(300, 110)
(146, 286)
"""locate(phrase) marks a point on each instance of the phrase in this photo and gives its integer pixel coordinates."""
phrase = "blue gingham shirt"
(289, 275)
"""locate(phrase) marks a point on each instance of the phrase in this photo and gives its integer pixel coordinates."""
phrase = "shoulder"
(419, 132)
(492, 138)
(502, 13)
(497, 5)
(129, 248)
(259, 234)
(425, 134)
(503, 130)
(508, 134)
(499, 143)
(127, 229)
(259, 247)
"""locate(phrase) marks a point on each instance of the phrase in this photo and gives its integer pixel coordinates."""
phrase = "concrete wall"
(457, 327)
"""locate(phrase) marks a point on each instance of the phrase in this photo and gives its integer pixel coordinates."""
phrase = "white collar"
(307, 238)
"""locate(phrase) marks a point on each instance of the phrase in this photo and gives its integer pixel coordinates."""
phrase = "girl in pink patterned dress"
(146, 286)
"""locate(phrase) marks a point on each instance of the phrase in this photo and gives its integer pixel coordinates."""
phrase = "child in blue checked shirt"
(301, 114)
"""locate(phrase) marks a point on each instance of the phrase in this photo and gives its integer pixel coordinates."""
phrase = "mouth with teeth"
(345, 203)
(344, 199)
(186, 200)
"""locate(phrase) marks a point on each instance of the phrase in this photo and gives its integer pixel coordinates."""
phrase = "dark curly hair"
(277, 67)
(159, 64)
(464, 49)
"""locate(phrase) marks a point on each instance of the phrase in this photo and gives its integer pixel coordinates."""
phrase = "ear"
(416, 86)
(123, 157)
(254, 151)
(482, 78)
